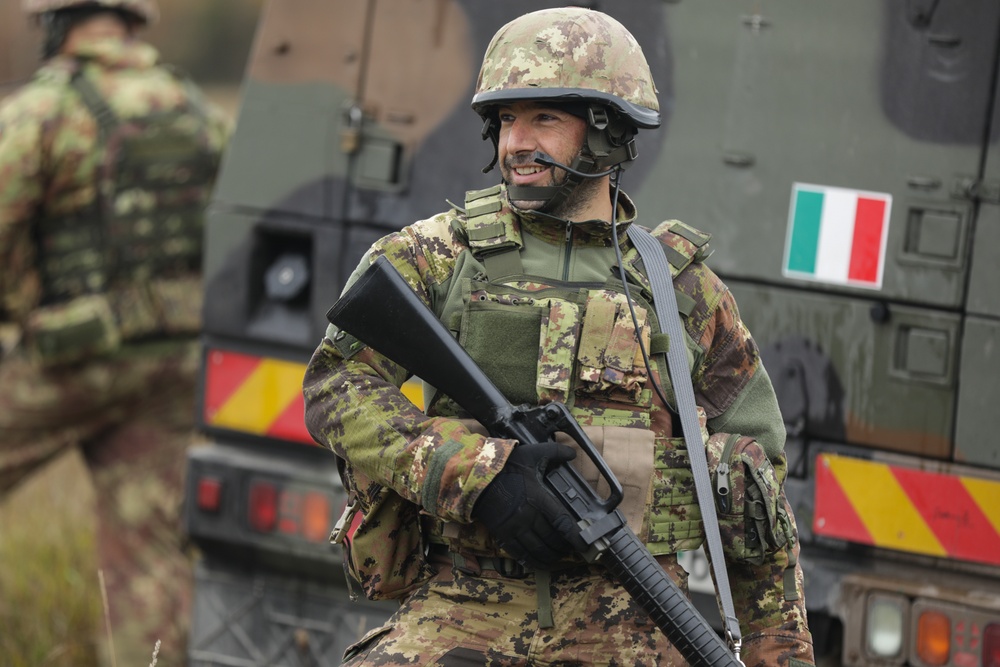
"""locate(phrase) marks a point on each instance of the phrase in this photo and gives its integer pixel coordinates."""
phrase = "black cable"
(545, 160)
(616, 179)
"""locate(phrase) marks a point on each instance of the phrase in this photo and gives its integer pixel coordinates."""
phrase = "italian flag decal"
(837, 236)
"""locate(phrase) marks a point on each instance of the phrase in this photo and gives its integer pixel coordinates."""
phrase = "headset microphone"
(547, 161)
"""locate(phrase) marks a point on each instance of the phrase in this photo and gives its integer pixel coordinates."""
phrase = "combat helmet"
(583, 60)
(144, 10)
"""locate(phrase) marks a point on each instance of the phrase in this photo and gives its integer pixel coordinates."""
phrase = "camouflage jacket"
(50, 153)
(355, 407)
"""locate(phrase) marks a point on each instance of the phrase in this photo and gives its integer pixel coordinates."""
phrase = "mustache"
(522, 160)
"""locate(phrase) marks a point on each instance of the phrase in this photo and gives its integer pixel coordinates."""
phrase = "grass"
(50, 600)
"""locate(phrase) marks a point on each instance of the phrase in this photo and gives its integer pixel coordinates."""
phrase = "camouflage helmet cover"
(568, 54)
(144, 9)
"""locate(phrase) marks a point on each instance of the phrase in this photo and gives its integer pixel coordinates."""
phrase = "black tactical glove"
(523, 515)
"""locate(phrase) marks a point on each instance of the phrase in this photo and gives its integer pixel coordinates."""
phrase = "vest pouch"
(539, 331)
(609, 359)
(629, 452)
(674, 522)
(674, 517)
(748, 497)
(71, 332)
(512, 366)
(383, 547)
(178, 303)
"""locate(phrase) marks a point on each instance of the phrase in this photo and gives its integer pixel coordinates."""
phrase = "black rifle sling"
(665, 303)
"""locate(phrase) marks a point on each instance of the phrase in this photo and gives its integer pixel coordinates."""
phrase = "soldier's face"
(526, 127)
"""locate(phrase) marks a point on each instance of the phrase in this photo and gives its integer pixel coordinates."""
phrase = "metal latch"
(968, 187)
(350, 136)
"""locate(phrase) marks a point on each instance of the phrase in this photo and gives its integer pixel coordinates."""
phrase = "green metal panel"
(285, 149)
(304, 71)
(979, 396)
(223, 235)
(984, 278)
(844, 375)
(850, 94)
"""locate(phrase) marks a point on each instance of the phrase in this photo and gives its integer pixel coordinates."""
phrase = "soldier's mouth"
(527, 174)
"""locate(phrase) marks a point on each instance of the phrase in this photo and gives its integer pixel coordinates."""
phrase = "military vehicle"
(843, 155)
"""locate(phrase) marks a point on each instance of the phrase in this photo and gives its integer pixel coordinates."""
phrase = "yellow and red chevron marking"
(262, 396)
(256, 395)
(896, 507)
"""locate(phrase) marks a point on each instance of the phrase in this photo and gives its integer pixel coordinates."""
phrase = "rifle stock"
(383, 312)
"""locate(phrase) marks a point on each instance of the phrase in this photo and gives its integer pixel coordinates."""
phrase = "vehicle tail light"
(991, 645)
(316, 517)
(263, 510)
(886, 619)
(933, 637)
(209, 494)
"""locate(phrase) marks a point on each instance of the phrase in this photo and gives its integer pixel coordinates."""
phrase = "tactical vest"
(576, 343)
(140, 243)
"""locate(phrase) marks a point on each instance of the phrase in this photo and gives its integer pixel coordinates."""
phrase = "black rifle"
(383, 312)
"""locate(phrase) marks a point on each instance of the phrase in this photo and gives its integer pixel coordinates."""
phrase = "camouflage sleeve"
(22, 159)
(735, 390)
(355, 407)
(730, 382)
(755, 413)
(769, 600)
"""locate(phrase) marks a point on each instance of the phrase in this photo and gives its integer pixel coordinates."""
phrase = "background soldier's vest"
(138, 247)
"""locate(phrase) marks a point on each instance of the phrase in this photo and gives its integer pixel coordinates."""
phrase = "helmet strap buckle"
(597, 117)
(492, 132)
(633, 151)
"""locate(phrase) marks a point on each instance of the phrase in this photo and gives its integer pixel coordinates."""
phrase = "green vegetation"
(50, 600)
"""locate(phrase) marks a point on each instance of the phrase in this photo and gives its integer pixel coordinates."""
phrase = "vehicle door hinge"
(350, 135)
(967, 187)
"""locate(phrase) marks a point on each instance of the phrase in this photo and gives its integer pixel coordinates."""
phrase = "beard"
(577, 200)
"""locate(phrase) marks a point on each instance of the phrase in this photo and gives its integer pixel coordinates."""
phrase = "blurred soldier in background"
(107, 160)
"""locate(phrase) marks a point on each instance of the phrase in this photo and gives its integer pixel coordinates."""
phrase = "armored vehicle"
(843, 155)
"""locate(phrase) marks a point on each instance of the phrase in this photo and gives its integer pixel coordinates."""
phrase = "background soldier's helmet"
(571, 55)
(145, 10)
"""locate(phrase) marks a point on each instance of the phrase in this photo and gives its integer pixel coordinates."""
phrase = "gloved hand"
(523, 515)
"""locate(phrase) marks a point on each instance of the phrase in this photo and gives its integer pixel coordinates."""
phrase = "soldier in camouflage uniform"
(474, 545)
(106, 163)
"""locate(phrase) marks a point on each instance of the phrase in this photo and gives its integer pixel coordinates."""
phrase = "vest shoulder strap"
(697, 289)
(492, 232)
(105, 118)
(682, 244)
(489, 223)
